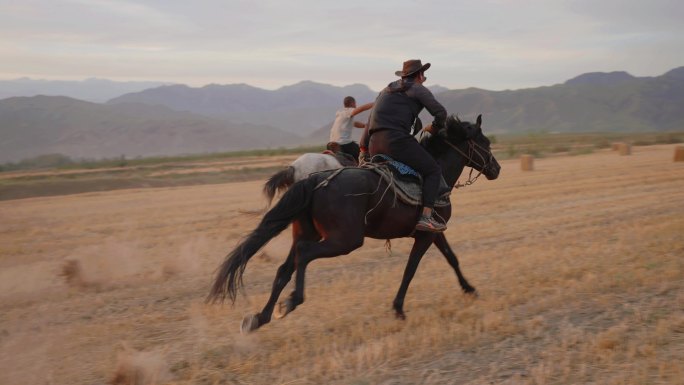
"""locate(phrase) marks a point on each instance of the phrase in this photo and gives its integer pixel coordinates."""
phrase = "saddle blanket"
(408, 190)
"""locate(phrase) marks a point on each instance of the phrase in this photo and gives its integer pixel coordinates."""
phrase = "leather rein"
(473, 148)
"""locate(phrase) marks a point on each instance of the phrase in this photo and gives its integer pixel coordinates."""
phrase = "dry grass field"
(579, 265)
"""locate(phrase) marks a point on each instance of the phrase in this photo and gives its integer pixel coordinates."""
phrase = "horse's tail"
(279, 181)
(229, 276)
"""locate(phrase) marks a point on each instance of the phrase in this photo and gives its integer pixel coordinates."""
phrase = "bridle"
(473, 148)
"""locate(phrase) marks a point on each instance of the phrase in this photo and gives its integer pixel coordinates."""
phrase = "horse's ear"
(479, 121)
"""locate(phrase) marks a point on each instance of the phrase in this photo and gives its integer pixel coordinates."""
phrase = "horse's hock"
(679, 154)
(526, 162)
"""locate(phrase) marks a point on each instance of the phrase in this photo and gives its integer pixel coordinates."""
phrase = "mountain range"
(39, 125)
(300, 108)
(92, 90)
(599, 102)
(176, 119)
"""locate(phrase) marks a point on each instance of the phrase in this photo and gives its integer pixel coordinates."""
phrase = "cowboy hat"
(411, 67)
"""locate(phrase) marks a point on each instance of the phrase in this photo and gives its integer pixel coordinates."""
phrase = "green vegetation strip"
(53, 185)
(62, 162)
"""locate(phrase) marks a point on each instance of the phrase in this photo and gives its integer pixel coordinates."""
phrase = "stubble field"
(579, 265)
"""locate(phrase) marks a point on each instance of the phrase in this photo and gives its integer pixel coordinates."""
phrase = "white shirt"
(341, 130)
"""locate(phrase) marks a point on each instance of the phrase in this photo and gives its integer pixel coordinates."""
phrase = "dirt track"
(579, 265)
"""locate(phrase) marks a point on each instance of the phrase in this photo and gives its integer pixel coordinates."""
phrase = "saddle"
(405, 182)
(346, 160)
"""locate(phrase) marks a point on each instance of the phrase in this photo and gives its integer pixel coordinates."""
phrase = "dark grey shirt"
(398, 106)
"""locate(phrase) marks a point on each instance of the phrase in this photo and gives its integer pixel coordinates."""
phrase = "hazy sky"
(491, 44)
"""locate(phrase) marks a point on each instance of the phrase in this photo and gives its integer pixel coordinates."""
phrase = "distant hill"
(437, 89)
(93, 90)
(604, 102)
(299, 108)
(33, 126)
(601, 78)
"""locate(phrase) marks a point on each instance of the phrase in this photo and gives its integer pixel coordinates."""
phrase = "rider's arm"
(362, 108)
(435, 108)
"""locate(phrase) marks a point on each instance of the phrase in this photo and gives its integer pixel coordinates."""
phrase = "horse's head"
(467, 138)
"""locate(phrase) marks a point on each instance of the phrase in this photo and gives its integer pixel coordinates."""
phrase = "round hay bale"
(615, 146)
(679, 154)
(526, 162)
(625, 149)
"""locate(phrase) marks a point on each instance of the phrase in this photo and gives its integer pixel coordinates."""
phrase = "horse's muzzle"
(492, 170)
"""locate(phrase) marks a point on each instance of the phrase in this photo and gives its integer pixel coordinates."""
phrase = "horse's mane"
(435, 144)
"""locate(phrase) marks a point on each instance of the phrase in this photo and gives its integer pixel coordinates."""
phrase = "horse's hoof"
(283, 308)
(472, 294)
(249, 324)
(400, 315)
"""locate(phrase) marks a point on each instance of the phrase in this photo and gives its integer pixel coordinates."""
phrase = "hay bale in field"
(625, 149)
(679, 154)
(526, 162)
(615, 146)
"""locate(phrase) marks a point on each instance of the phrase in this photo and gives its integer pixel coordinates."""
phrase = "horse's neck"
(452, 166)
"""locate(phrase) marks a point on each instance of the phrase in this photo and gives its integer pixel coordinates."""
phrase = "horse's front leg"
(443, 246)
(423, 240)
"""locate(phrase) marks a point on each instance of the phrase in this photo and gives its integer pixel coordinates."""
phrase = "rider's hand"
(363, 157)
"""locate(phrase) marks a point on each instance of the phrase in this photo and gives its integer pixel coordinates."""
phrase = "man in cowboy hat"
(389, 132)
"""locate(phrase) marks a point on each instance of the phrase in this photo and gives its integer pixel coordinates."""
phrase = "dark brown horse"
(333, 219)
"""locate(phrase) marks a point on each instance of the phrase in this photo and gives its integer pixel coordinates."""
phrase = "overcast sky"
(490, 44)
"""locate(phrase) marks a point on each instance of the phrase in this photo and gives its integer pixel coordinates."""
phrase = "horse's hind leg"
(300, 231)
(252, 322)
(332, 246)
(443, 246)
(423, 240)
(283, 276)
